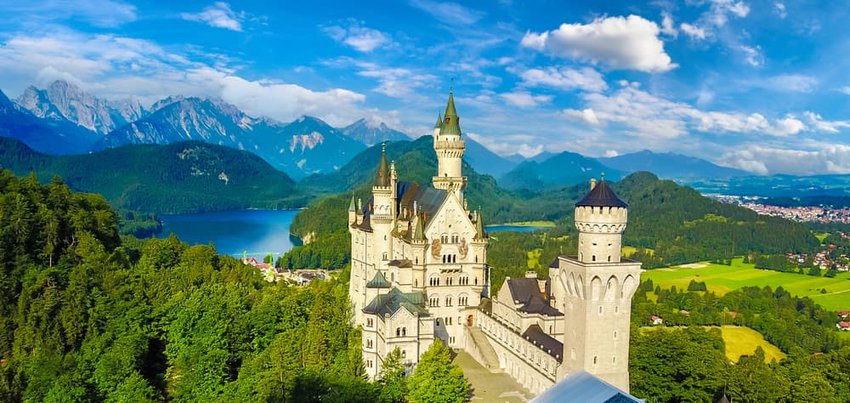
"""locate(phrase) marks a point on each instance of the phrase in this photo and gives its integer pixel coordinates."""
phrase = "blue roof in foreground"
(582, 387)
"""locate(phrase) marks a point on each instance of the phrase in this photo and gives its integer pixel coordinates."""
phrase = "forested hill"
(668, 223)
(681, 225)
(417, 162)
(88, 317)
(176, 178)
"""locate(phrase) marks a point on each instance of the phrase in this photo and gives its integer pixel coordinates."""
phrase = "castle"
(419, 272)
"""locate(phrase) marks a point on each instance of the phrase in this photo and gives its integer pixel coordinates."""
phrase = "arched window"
(448, 301)
(594, 359)
(609, 258)
(594, 258)
(398, 331)
(438, 321)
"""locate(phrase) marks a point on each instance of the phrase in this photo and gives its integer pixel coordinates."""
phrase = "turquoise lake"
(255, 232)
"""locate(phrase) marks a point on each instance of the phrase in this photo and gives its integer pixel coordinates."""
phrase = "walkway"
(487, 386)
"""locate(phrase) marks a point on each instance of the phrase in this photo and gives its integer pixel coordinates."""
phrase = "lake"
(256, 232)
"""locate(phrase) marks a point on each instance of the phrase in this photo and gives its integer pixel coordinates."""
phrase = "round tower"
(600, 218)
(449, 147)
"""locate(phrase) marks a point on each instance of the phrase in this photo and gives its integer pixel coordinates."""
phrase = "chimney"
(592, 183)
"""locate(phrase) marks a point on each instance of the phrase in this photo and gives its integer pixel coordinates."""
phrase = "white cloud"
(394, 82)
(120, 67)
(449, 13)
(780, 10)
(810, 159)
(358, 37)
(845, 90)
(653, 118)
(825, 126)
(509, 147)
(100, 13)
(620, 43)
(786, 83)
(693, 31)
(586, 79)
(525, 99)
(752, 55)
(667, 26)
(611, 153)
(586, 115)
(218, 15)
(716, 16)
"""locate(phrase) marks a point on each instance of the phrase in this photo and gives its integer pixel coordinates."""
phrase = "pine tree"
(393, 381)
(437, 379)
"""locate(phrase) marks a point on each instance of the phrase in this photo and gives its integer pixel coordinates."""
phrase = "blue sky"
(758, 85)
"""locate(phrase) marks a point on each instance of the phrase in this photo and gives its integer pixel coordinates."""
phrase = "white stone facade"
(419, 272)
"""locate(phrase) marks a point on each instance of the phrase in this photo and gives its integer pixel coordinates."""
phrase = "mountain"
(486, 161)
(415, 161)
(51, 136)
(370, 133)
(561, 169)
(670, 165)
(302, 147)
(308, 145)
(176, 178)
(63, 100)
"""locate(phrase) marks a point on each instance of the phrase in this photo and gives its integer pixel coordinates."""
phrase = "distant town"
(822, 214)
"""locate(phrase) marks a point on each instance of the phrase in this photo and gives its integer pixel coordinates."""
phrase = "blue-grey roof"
(391, 302)
(378, 281)
(583, 387)
(601, 196)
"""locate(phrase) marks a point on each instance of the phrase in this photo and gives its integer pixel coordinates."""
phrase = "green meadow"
(722, 279)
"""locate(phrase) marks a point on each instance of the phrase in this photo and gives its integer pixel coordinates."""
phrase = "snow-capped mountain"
(63, 100)
(305, 146)
(50, 136)
(371, 133)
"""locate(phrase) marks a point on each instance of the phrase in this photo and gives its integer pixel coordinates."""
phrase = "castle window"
(617, 308)
(404, 331)
(476, 281)
(609, 258)
(594, 258)
(438, 321)
(444, 258)
(614, 360)
(397, 331)
(434, 301)
(369, 322)
(600, 309)
(449, 280)
(448, 301)
(594, 359)
(369, 343)
(615, 335)
(403, 353)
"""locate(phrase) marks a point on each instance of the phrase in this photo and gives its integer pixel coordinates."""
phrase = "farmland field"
(739, 341)
(743, 341)
(722, 279)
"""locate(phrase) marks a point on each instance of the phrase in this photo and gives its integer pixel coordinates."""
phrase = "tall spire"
(383, 176)
(451, 122)
(419, 232)
(351, 207)
(439, 122)
(479, 226)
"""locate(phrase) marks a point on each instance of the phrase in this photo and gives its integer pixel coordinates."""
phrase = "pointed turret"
(383, 176)
(351, 206)
(439, 122)
(419, 232)
(451, 122)
(479, 227)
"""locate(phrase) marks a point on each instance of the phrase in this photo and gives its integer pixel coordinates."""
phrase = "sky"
(756, 85)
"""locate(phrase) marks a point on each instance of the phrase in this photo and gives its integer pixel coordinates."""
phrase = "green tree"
(393, 381)
(436, 379)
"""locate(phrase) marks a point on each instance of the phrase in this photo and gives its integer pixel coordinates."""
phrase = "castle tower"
(384, 215)
(449, 147)
(594, 290)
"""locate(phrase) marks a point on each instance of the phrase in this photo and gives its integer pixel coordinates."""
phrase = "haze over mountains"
(63, 119)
